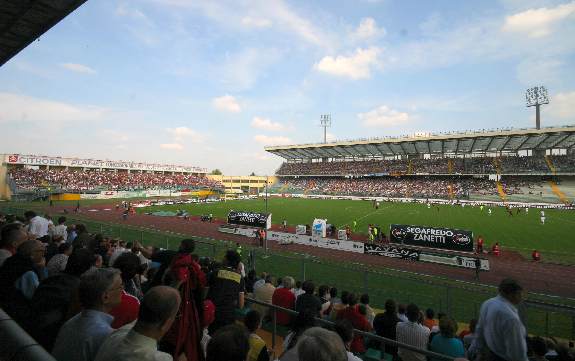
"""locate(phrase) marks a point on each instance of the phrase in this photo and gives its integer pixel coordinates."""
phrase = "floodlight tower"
(325, 122)
(535, 97)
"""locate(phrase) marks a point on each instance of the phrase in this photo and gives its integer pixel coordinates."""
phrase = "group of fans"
(475, 165)
(420, 187)
(90, 180)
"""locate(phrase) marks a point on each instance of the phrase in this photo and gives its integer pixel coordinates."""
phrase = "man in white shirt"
(140, 342)
(499, 328)
(412, 333)
(38, 226)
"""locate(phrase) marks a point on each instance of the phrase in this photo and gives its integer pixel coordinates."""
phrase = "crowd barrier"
(17, 345)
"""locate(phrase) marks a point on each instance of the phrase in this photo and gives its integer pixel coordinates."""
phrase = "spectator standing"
(130, 267)
(401, 310)
(370, 314)
(140, 343)
(283, 297)
(429, 321)
(81, 336)
(226, 291)
(61, 230)
(412, 333)
(37, 226)
(319, 344)
(499, 328)
(445, 342)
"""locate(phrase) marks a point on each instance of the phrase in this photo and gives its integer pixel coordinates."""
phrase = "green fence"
(543, 315)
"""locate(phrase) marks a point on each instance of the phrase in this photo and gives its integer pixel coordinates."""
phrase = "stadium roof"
(23, 21)
(455, 143)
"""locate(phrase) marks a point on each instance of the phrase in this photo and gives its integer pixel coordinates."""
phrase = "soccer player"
(536, 256)
(480, 244)
(489, 211)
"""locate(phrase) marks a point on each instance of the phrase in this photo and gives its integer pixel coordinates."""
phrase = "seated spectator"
(324, 298)
(308, 301)
(297, 290)
(364, 300)
(258, 349)
(283, 297)
(250, 280)
(538, 348)
(401, 312)
(429, 321)
(446, 342)
(61, 230)
(229, 343)
(37, 226)
(412, 333)
(303, 321)
(467, 336)
(20, 275)
(265, 294)
(57, 263)
(11, 237)
(55, 300)
(344, 329)
(319, 344)
(385, 325)
(81, 336)
(340, 305)
(140, 343)
(358, 321)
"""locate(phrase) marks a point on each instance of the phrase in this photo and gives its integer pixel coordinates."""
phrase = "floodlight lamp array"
(536, 96)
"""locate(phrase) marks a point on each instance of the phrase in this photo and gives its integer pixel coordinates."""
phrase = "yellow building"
(244, 185)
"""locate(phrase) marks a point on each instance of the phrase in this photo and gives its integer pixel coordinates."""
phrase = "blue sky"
(210, 83)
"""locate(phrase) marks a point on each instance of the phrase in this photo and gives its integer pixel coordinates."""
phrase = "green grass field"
(522, 232)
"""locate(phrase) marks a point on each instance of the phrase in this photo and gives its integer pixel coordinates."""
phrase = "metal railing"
(329, 324)
(17, 345)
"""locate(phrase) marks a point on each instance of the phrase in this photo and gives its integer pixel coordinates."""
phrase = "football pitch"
(521, 232)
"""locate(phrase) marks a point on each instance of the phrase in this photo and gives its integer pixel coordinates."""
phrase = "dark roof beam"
(541, 141)
(506, 142)
(559, 140)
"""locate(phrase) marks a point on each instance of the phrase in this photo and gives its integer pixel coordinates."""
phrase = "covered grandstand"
(511, 164)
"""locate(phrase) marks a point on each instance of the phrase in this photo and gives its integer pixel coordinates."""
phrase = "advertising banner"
(319, 228)
(241, 231)
(423, 236)
(300, 229)
(288, 238)
(250, 219)
(458, 261)
(392, 251)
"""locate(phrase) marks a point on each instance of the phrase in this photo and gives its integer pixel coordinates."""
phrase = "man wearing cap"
(500, 331)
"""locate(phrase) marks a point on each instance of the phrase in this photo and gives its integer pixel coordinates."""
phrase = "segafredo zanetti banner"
(423, 236)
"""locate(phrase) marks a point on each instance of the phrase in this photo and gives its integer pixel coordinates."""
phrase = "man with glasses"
(80, 337)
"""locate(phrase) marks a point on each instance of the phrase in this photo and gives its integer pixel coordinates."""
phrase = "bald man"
(140, 342)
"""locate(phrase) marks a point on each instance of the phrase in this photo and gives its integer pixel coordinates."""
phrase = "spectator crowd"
(475, 165)
(85, 296)
(76, 180)
(416, 187)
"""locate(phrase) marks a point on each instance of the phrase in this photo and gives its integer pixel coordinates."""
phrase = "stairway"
(558, 192)
(501, 191)
(550, 165)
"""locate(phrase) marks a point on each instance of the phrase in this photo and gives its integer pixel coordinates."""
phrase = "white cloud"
(383, 116)
(539, 22)
(17, 107)
(184, 133)
(356, 66)
(539, 70)
(114, 135)
(172, 146)
(123, 10)
(253, 22)
(561, 105)
(240, 71)
(78, 68)
(267, 124)
(267, 140)
(227, 103)
(367, 29)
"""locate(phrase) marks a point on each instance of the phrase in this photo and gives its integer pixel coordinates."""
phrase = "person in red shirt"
(480, 244)
(358, 321)
(126, 312)
(536, 256)
(496, 250)
(284, 297)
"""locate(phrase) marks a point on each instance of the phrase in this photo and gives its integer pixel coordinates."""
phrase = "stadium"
(427, 229)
